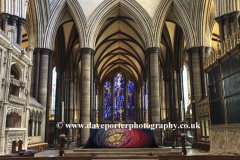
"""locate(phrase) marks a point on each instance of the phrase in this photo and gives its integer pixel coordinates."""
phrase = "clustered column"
(228, 24)
(15, 21)
(85, 93)
(43, 83)
(154, 89)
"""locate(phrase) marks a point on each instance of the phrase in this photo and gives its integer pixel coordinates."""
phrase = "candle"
(146, 102)
(62, 111)
(96, 102)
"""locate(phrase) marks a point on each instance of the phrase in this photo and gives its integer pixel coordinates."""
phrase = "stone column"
(227, 28)
(154, 89)
(85, 106)
(221, 32)
(36, 74)
(21, 21)
(1, 22)
(235, 20)
(195, 81)
(26, 131)
(3, 113)
(5, 17)
(14, 24)
(201, 55)
(43, 81)
(31, 126)
(49, 94)
(35, 128)
(39, 129)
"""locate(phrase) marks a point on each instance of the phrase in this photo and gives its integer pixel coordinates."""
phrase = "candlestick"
(62, 111)
(146, 102)
(96, 119)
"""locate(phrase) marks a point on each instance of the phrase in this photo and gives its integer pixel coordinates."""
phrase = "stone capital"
(219, 19)
(30, 48)
(37, 50)
(86, 51)
(45, 51)
(155, 50)
(226, 17)
(193, 50)
(14, 18)
(21, 21)
(5, 16)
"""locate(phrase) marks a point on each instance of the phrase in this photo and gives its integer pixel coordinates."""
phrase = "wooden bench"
(35, 143)
(202, 145)
(20, 152)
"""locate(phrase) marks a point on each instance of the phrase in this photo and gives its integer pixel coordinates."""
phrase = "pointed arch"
(57, 14)
(181, 12)
(105, 9)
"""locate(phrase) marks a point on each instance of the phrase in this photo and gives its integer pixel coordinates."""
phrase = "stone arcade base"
(224, 139)
(120, 152)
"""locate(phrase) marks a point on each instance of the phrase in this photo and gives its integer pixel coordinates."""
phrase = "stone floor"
(55, 153)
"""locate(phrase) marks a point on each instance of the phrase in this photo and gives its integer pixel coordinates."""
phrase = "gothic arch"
(105, 9)
(57, 14)
(181, 12)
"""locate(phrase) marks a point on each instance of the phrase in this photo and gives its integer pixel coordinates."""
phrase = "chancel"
(120, 78)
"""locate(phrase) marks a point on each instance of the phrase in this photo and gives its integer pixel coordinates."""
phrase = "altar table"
(121, 138)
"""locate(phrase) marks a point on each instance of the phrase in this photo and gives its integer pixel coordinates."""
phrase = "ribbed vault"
(119, 44)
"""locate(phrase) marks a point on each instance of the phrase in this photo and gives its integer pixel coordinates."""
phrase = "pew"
(35, 143)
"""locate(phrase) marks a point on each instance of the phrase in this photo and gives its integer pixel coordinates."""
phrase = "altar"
(121, 138)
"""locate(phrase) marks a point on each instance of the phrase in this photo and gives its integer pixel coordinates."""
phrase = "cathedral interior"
(120, 61)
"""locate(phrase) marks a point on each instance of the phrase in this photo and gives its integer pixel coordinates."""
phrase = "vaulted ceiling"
(119, 44)
(67, 44)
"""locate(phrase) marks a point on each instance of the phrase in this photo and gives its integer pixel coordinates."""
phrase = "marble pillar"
(26, 131)
(5, 17)
(49, 93)
(195, 82)
(43, 82)
(21, 22)
(36, 72)
(221, 31)
(227, 29)
(85, 103)
(14, 24)
(201, 55)
(154, 89)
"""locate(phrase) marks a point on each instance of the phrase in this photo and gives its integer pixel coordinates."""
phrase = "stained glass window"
(54, 81)
(131, 101)
(119, 95)
(107, 100)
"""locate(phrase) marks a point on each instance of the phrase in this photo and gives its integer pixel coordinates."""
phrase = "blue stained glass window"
(107, 100)
(119, 95)
(131, 101)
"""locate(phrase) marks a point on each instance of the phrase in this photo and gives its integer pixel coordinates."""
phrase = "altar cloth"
(121, 138)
